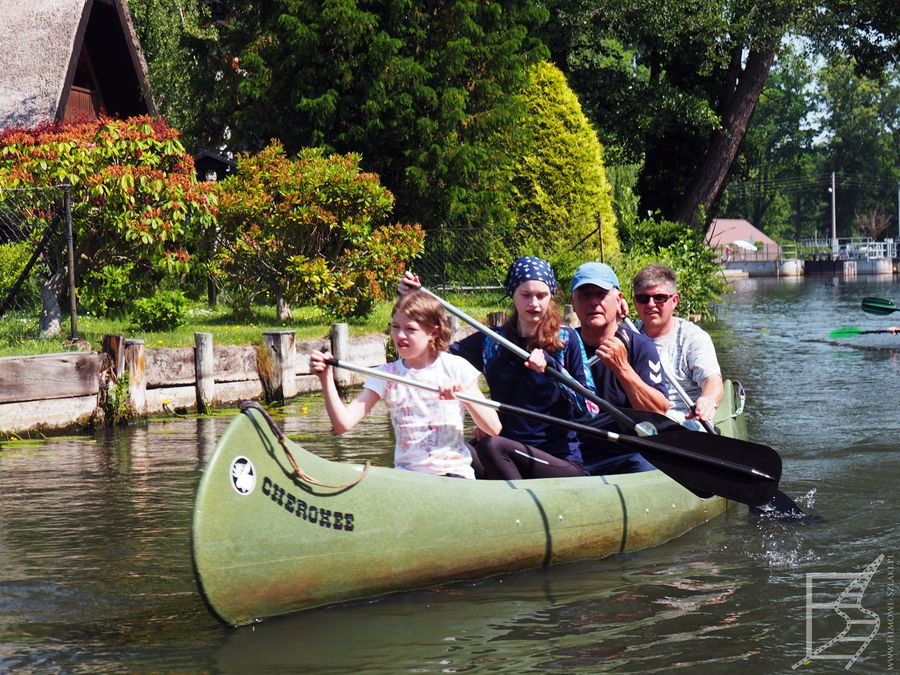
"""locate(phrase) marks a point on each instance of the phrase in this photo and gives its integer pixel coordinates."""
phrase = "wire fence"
(33, 246)
(457, 259)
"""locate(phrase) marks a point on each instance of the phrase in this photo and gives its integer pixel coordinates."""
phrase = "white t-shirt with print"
(429, 431)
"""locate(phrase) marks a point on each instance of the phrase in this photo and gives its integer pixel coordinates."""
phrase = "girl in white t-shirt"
(428, 427)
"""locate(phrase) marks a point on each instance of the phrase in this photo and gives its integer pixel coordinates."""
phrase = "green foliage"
(13, 258)
(559, 181)
(117, 406)
(782, 178)
(179, 39)
(310, 230)
(700, 281)
(134, 194)
(165, 310)
(107, 291)
(417, 89)
(861, 122)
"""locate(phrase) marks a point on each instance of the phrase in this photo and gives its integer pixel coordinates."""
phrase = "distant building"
(66, 59)
(737, 239)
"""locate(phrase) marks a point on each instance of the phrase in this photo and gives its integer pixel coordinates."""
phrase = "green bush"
(700, 281)
(13, 257)
(309, 230)
(164, 311)
(107, 291)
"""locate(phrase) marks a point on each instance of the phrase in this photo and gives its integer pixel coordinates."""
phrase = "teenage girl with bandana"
(528, 448)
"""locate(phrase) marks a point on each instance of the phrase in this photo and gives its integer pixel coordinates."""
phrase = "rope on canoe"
(282, 441)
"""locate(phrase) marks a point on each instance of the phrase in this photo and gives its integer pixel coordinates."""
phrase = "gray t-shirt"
(688, 353)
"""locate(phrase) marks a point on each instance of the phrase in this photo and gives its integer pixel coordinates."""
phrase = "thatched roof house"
(60, 59)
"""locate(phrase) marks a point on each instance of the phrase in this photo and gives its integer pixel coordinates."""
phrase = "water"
(96, 573)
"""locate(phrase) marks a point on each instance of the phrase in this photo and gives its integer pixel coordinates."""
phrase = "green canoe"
(266, 542)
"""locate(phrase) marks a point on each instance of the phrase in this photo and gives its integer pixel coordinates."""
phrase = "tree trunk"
(51, 290)
(709, 180)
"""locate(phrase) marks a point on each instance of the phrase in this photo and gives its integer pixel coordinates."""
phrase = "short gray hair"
(655, 275)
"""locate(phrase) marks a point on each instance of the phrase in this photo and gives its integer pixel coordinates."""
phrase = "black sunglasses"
(658, 298)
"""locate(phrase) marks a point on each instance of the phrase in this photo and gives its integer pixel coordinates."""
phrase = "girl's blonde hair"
(429, 313)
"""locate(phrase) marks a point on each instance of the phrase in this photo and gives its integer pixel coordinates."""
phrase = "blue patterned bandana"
(529, 268)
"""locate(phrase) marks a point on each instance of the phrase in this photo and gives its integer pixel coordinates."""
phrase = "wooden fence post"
(453, 324)
(135, 366)
(340, 347)
(280, 381)
(204, 368)
(114, 347)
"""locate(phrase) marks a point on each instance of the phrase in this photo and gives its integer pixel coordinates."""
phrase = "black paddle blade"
(878, 306)
(700, 461)
(705, 480)
(782, 507)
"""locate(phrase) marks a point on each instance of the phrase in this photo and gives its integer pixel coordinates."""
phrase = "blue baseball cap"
(596, 273)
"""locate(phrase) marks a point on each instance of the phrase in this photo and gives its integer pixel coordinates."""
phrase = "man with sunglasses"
(627, 373)
(686, 349)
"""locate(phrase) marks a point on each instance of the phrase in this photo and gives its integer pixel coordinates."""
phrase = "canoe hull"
(266, 542)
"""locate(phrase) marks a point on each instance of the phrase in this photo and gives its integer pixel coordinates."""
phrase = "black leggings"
(500, 458)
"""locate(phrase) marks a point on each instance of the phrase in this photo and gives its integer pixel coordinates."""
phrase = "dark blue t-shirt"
(511, 382)
(644, 358)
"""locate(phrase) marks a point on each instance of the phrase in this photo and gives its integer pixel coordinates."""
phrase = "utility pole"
(834, 241)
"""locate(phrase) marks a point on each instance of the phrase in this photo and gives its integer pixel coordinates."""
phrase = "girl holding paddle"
(428, 429)
(528, 448)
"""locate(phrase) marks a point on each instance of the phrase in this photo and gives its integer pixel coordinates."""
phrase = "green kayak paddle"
(852, 331)
(879, 306)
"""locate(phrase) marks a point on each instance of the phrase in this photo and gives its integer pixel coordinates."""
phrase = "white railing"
(851, 248)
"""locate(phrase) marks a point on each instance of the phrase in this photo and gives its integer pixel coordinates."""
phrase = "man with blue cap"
(628, 372)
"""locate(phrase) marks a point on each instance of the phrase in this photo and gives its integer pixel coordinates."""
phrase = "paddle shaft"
(550, 370)
(634, 441)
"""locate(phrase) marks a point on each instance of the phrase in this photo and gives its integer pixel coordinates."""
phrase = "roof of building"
(40, 44)
(723, 231)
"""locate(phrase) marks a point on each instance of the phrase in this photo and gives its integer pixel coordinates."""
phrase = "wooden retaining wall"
(60, 391)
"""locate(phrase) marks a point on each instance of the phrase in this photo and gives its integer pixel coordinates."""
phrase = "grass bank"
(18, 331)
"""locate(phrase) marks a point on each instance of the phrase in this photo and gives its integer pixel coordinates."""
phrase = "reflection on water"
(97, 577)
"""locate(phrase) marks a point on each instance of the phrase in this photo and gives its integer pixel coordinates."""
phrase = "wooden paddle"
(703, 463)
(879, 306)
(780, 506)
(853, 331)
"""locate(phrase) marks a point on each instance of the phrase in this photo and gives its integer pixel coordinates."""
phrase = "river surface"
(95, 569)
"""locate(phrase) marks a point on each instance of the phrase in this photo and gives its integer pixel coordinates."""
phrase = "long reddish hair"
(547, 334)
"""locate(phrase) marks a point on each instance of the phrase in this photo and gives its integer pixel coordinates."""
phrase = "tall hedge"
(561, 189)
